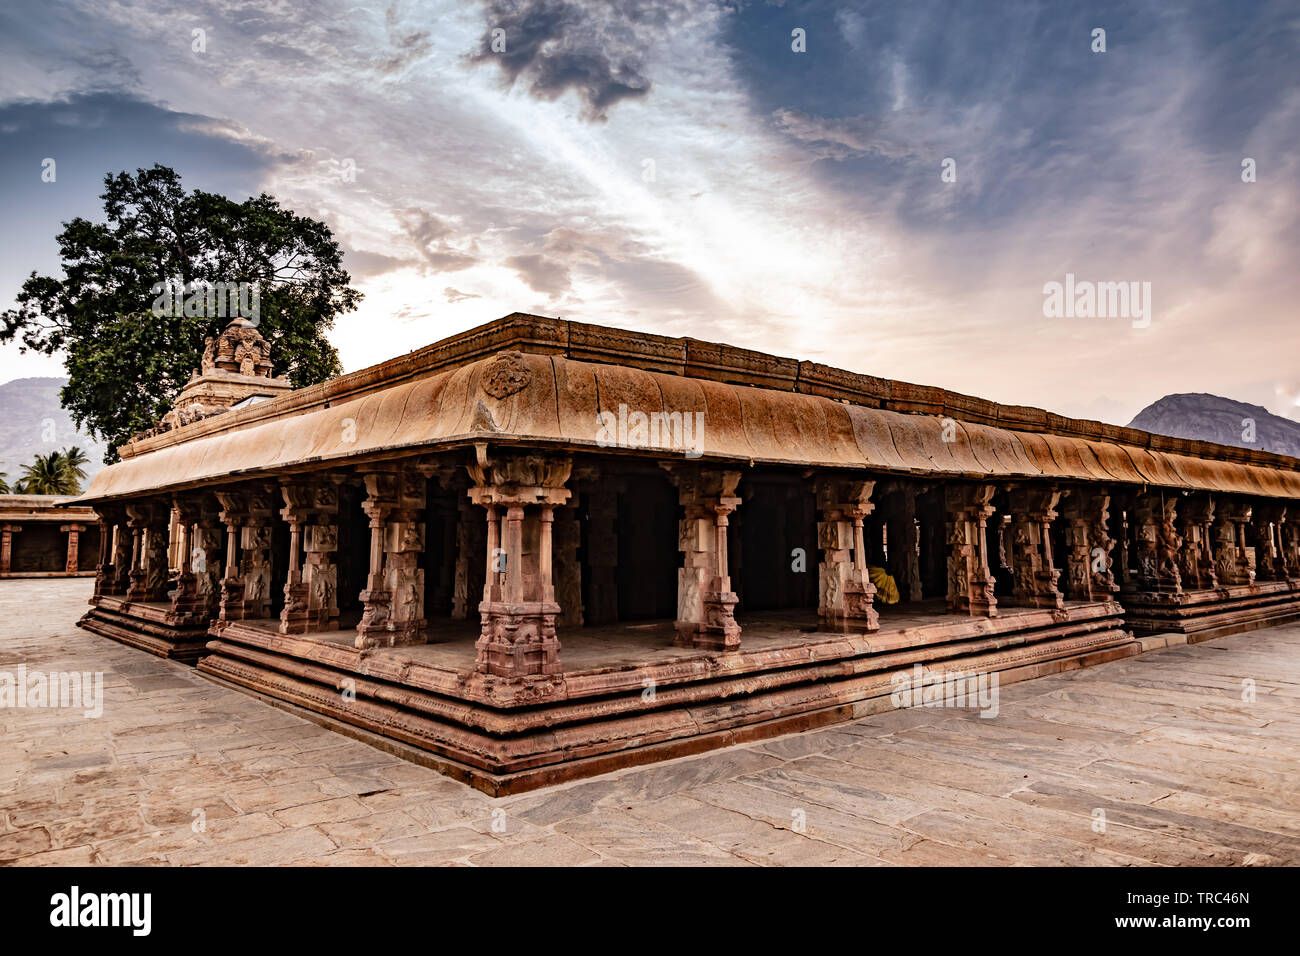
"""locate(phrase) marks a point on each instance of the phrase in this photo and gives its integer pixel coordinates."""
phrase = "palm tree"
(74, 460)
(4, 485)
(52, 474)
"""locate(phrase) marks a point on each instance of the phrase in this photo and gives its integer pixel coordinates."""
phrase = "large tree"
(125, 361)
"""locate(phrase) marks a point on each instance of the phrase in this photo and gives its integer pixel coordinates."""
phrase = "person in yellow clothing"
(886, 589)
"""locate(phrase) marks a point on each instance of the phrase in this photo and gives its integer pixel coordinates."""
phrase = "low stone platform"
(1213, 612)
(149, 626)
(628, 696)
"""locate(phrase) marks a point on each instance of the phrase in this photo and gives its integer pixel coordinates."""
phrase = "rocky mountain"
(33, 422)
(1218, 419)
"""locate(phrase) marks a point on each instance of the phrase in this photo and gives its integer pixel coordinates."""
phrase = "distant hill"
(1217, 419)
(33, 422)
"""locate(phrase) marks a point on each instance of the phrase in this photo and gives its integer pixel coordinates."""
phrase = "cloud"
(848, 136)
(455, 295)
(554, 46)
(542, 274)
(433, 239)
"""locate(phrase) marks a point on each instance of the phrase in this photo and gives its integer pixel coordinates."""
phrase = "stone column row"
(1199, 542)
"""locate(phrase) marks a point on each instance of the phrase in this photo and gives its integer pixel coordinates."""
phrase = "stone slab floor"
(1151, 760)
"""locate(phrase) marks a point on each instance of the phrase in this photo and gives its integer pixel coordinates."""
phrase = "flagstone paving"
(1156, 759)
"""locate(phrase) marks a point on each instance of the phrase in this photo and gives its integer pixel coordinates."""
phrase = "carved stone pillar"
(519, 492)
(246, 589)
(900, 527)
(393, 600)
(970, 582)
(105, 573)
(1270, 562)
(123, 541)
(1289, 543)
(1033, 509)
(73, 531)
(1158, 542)
(1196, 558)
(232, 515)
(207, 553)
(7, 532)
(151, 524)
(311, 509)
(136, 588)
(187, 607)
(1123, 507)
(1232, 563)
(705, 601)
(1089, 562)
(845, 592)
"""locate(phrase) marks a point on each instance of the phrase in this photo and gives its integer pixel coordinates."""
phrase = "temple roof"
(543, 382)
(42, 508)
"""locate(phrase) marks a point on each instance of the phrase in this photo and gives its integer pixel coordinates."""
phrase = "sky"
(883, 187)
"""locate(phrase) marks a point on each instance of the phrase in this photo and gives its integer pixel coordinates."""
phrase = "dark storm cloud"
(553, 46)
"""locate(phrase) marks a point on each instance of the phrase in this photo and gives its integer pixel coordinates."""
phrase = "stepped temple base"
(629, 696)
(148, 625)
(1214, 612)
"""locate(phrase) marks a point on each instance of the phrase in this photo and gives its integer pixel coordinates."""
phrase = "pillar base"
(719, 630)
(518, 640)
(378, 629)
(187, 607)
(295, 616)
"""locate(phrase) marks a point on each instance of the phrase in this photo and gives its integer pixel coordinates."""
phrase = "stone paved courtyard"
(1154, 759)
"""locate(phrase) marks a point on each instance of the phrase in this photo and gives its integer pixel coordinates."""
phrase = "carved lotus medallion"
(506, 375)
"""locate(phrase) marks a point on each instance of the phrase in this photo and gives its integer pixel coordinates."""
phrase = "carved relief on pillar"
(706, 603)
(207, 557)
(255, 542)
(1289, 542)
(520, 493)
(846, 594)
(123, 550)
(1158, 542)
(1089, 563)
(1196, 557)
(248, 515)
(186, 605)
(150, 523)
(970, 581)
(311, 509)
(1232, 562)
(1270, 560)
(110, 516)
(1033, 509)
(393, 601)
(232, 515)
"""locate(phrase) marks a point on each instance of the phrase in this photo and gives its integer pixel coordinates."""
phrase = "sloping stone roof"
(556, 377)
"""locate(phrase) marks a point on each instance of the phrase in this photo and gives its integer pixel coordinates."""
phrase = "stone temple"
(541, 549)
